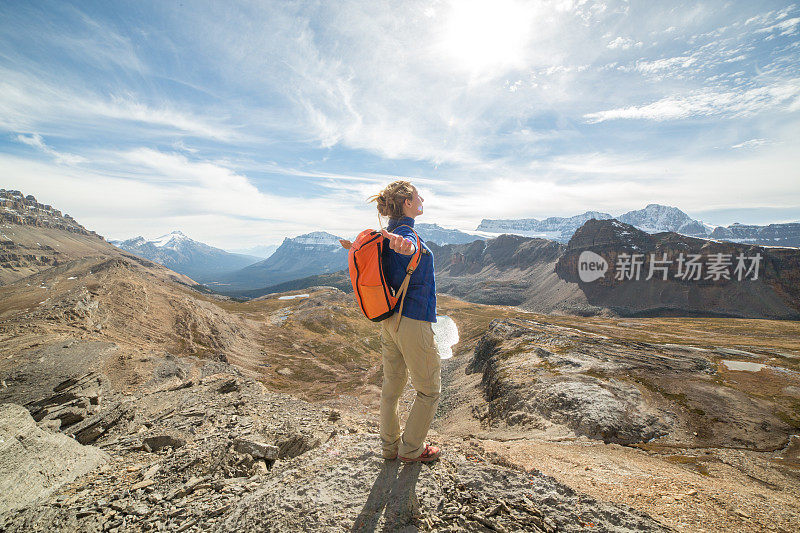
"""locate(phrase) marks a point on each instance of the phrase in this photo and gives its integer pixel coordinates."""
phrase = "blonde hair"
(391, 199)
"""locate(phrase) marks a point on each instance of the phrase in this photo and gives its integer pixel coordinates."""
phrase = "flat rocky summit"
(345, 486)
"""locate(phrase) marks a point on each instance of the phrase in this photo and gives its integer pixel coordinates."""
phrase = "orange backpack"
(375, 297)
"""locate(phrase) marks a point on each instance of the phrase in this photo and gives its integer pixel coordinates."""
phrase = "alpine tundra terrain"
(134, 399)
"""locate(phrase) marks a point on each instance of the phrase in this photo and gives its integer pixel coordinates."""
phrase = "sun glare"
(482, 36)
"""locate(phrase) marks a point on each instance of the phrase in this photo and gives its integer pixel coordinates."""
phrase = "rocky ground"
(201, 447)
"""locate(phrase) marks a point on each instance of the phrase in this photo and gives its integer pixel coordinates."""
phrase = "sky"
(242, 123)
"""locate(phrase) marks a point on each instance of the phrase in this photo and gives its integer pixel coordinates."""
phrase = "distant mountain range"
(541, 275)
(436, 234)
(770, 235)
(554, 228)
(654, 218)
(320, 254)
(317, 252)
(178, 252)
(292, 262)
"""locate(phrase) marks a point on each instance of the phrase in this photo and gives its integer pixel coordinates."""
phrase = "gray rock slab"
(344, 485)
(34, 462)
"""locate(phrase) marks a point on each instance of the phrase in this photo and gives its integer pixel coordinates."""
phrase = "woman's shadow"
(393, 494)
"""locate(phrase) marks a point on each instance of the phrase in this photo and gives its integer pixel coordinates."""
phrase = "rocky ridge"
(25, 210)
(750, 281)
(541, 376)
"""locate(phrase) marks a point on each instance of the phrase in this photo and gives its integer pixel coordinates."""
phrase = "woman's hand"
(345, 243)
(399, 244)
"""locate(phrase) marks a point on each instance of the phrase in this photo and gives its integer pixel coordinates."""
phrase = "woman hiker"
(411, 348)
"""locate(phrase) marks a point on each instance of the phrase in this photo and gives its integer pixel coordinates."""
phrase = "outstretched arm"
(399, 244)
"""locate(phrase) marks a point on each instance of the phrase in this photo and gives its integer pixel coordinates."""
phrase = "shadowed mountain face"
(507, 270)
(178, 252)
(310, 254)
(668, 273)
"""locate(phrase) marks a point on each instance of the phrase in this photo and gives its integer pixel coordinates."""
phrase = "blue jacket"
(420, 302)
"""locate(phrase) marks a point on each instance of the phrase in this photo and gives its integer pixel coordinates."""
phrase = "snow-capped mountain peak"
(180, 253)
(316, 238)
(172, 238)
(656, 217)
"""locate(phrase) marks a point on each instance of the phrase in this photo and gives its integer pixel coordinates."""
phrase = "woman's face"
(415, 208)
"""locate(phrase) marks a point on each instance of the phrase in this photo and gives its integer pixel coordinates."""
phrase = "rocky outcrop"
(25, 210)
(668, 273)
(454, 494)
(185, 454)
(200, 447)
(538, 375)
(34, 462)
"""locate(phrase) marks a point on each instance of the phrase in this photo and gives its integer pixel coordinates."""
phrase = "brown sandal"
(431, 453)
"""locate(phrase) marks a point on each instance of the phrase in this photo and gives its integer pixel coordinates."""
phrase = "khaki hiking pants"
(409, 350)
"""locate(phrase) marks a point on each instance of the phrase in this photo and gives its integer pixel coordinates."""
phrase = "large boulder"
(35, 462)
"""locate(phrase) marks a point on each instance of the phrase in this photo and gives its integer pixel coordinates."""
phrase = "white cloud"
(34, 102)
(154, 192)
(619, 183)
(659, 65)
(751, 143)
(36, 141)
(786, 27)
(150, 192)
(623, 43)
(705, 102)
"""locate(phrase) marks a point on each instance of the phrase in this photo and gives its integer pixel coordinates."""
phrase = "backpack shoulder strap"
(412, 265)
